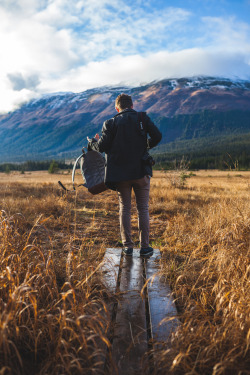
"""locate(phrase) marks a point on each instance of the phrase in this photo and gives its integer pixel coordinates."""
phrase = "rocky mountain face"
(57, 125)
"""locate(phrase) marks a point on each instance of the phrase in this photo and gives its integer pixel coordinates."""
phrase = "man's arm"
(154, 133)
(105, 142)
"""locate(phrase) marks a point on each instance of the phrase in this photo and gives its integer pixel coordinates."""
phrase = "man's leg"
(124, 195)
(141, 188)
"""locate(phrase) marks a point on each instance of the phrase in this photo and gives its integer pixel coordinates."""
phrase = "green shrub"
(53, 168)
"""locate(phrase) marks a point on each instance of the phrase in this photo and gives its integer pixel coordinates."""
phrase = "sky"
(49, 46)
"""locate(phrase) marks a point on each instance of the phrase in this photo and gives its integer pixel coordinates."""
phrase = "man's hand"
(96, 137)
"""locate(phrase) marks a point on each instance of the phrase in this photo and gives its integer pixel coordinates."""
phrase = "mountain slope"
(57, 125)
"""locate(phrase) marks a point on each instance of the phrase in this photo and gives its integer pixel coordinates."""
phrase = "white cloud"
(229, 33)
(135, 69)
(58, 13)
(10, 98)
(57, 45)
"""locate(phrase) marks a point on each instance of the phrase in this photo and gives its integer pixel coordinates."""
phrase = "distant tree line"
(222, 162)
(30, 165)
(196, 160)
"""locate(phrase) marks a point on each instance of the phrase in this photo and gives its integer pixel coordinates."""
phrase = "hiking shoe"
(127, 251)
(146, 251)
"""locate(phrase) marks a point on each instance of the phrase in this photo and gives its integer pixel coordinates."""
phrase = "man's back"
(124, 143)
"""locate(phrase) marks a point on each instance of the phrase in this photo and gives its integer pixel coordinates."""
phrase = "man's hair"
(123, 101)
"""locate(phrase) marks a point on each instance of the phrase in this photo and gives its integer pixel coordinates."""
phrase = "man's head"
(123, 101)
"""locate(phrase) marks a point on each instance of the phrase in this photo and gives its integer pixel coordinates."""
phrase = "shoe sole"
(128, 254)
(147, 255)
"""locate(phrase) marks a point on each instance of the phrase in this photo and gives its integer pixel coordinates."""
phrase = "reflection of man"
(124, 140)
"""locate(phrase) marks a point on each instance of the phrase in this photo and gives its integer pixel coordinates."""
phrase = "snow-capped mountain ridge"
(59, 99)
(55, 122)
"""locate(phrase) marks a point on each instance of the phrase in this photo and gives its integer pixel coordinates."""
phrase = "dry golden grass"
(207, 262)
(53, 304)
(53, 307)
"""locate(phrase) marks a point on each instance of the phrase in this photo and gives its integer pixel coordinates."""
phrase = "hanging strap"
(142, 127)
(74, 170)
(140, 119)
(141, 122)
(73, 175)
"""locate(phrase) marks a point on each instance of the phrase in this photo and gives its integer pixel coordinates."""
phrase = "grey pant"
(141, 188)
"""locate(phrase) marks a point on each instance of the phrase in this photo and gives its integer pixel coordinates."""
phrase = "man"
(124, 140)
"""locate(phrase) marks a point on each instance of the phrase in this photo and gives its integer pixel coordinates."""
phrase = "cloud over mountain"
(57, 45)
(19, 82)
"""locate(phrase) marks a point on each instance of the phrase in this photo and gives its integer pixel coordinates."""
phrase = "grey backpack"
(92, 166)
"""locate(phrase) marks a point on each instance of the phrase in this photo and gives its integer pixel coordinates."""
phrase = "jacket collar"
(124, 111)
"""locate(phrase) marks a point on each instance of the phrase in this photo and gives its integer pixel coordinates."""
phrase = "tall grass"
(54, 307)
(53, 315)
(207, 261)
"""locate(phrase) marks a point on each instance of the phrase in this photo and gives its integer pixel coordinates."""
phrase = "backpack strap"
(141, 119)
(74, 170)
(142, 126)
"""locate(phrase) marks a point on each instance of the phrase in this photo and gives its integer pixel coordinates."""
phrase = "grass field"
(52, 300)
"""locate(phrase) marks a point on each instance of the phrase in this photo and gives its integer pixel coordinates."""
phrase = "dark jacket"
(124, 144)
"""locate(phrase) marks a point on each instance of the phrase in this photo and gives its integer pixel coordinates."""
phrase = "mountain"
(56, 126)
